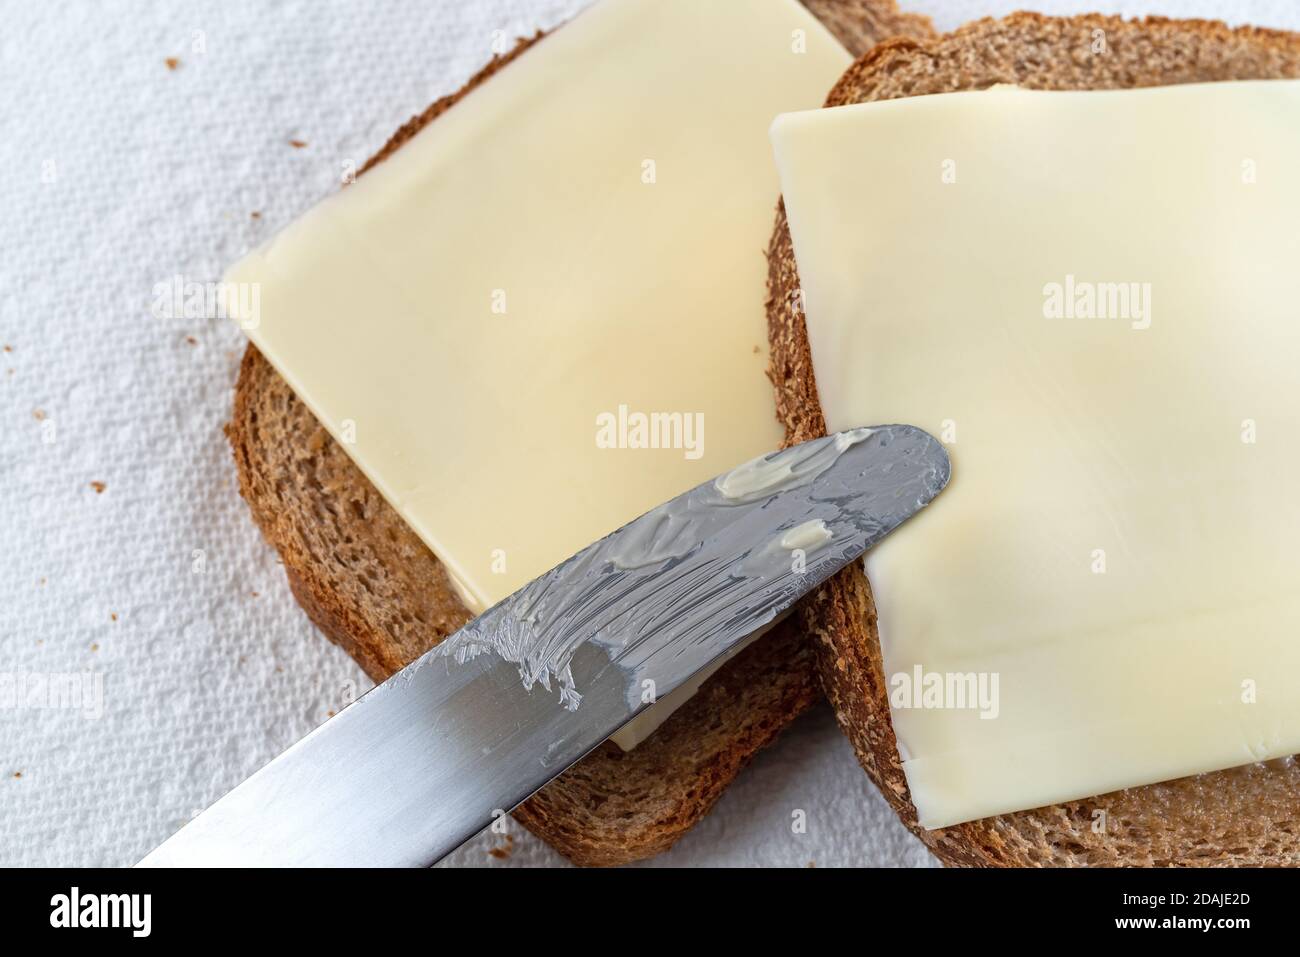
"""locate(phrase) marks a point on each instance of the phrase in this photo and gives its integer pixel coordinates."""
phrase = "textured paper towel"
(128, 562)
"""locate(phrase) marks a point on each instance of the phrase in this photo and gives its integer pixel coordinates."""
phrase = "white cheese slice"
(575, 244)
(1117, 548)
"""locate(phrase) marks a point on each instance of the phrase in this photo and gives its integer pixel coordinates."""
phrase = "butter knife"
(472, 728)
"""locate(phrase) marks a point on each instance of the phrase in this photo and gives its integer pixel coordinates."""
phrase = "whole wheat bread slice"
(1245, 816)
(370, 584)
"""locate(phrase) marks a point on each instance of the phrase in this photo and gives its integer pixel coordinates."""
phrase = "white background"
(116, 174)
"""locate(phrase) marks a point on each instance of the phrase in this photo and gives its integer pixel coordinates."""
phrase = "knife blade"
(476, 725)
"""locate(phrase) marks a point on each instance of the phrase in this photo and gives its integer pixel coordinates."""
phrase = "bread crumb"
(98, 487)
(500, 853)
(757, 350)
(18, 774)
(298, 144)
(38, 415)
(191, 340)
(172, 62)
(94, 646)
(812, 863)
(255, 594)
(255, 214)
(8, 348)
(41, 582)
(113, 615)
(329, 713)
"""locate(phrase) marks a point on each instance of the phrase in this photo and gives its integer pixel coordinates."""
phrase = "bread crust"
(1244, 816)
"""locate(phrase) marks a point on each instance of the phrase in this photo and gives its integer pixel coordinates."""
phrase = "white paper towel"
(132, 578)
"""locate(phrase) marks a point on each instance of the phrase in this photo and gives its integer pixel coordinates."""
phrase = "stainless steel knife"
(472, 728)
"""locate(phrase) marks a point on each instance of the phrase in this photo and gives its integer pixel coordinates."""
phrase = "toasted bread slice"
(1245, 816)
(373, 587)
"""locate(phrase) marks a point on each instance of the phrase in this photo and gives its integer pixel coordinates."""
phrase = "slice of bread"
(370, 584)
(1245, 816)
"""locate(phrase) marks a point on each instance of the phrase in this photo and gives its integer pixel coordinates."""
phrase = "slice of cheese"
(577, 244)
(1108, 593)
